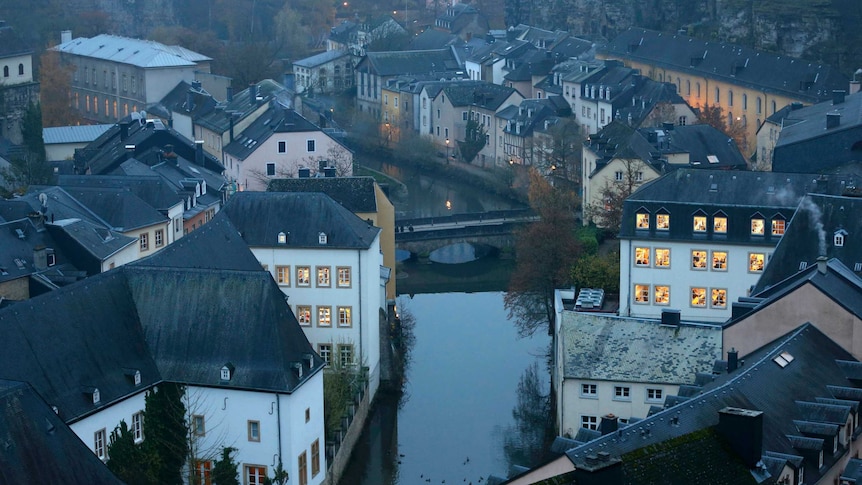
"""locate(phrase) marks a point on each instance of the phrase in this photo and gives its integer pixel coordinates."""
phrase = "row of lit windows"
(719, 224)
(324, 315)
(303, 276)
(109, 106)
(661, 296)
(699, 259)
(717, 95)
(621, 393)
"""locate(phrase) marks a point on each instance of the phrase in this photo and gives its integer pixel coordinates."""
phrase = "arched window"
(717, 96)
(5, 71)
(688, 87)
(759, 105)
(697, 86)
(773, 106)
(744, 101)
(20, 69)
(87, 102)
(730, 97)
(96, 104)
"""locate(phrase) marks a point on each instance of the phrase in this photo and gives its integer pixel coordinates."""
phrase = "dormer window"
(699, 223)
(134, 375)
(227, 372)
(662, 221)
(778, 225)
(93, 394)
(758, 226)
(838, 238)
(719, 223)
(282, 238)
(321, 238)
(642, 219)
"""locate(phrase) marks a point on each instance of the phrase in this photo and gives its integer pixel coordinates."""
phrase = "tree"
(30, 168)
(474, 140)
(561, 149)
(225, 470)
(663, 112)
(545, 251)
(291, 36)
(598, 271)
(130, 461)
(279, 475)
(526, 442)
(55, 85)
(607, 211)
(714, 116)
(167, 431)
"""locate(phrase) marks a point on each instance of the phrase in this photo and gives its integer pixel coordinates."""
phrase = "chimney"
(252, 93)
(196, 85)
(743, 430)
(190, 100)
(732, 360)
(822, 261)
(833, 120)
(670, 317)
(40, 257)
(65, 36)
(329, 172)
(124, 130)
(304, 173)
(233, 117)
(652, 136)
(229, 93)
(199, 152)
(598, 469)
(609, 424)
(666, 126)
(838, 96)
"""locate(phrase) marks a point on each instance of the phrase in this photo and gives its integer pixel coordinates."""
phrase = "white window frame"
(589, 391)
(622, 393)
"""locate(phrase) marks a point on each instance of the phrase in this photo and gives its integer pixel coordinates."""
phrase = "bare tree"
(607, 212)
(206, 437)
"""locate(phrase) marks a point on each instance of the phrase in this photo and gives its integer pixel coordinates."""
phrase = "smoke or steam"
(815, 221)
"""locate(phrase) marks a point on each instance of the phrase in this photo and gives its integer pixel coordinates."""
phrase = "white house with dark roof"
(61, 141)
(328, 263)
(327, 72)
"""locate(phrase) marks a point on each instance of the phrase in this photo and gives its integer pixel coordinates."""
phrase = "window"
(699, 223)
(757, 226)
(719, 260)
(622, 393)
(5, 71)
(307, 414)
(717, 96)
(254, 430)
(755, 262)
(144, 241)
(698, 297)
(282, 147)
(138, 427)
(99, 443)
(303, 276)
(744, 101)
(282, 275)
(395, 100)
(589, 390)
(662, 295)
(255, 475)
(344, 318)
(758, 105)
(838, 238)
(96, 104)
(198, 425)
(463, 116)
(324, 316)
(315, 447)
(618, 176)
(682, 120)
(654, 395)
(203, 472)
(303, 314)
(343, 277)
(662, 222)
(160, 238)
(345, 354)
(642, 294)
(270, 169)
(719, 298)
(697, 87)
(642, 256)
(302, 464)
(662, 258)
(325, 351)
(639, 176)
(323, 276)
(729, 97)
(719, 225)
(778, 227)
(698, 259)
(310, 146)
(642, 220)
(590, 422)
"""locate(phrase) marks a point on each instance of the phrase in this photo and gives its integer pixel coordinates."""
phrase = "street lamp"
(388, 133)
(447, 151)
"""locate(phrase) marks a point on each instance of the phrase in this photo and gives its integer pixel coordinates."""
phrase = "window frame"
(642, 221)
(282, 275)
(324, 350)
(324, 316)
(302, 467)
(758, 226)
(656, 295)
(339, 282)
(699, 223)
(778, 226)
(719, 224)
(138, 426)
(662, 221)
(657, 261)
(303, 276)
(270, 169)
(253, 425)
(590, 422)
(311, 145)
(323, 276)
(160, 237)
(712, 298)
(144, 241)
(100, 445)
(303, 315)
(658, 395)
(622, 393)
(589, 391)
(281, 147)
(258, 478)
(712, 264)
(196, 429)
(639, 259)
(639, 291)
(346, 347)
(754, 259)
(693, 296)
(342, 311)
(705, 259)
(315, 447)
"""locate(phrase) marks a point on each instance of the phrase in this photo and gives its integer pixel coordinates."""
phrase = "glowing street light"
(447, 151)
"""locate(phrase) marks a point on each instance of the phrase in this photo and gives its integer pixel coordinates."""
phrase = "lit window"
(757, 227)
(698, 259)
(698, 297)
(755, 262)
(642, 256)
(324, 316)
(282, 147)
(282, 275)
(719, 298)
(315, 447)
(622, 393)
(344, 318)
(203, 472)
(778, 227)
(99, 443)
(719, 260)
(699, 223)
(303, 276)
(345, 355)
(255, 475)
(589, 390)
(323, 276)
(254, 430)
(642, 220)
(344, 277)
(325, 351)
(662, 222)
(303, 314)
(590, 422)
(719, 225)
(138, 427)
(144, 241)
(654, 395)
(160, 238)
(642, 294)
(198, 425)
(662, 258)
(662, 295)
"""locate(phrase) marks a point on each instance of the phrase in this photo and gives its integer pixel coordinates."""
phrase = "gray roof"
(396, 63)
(632, 350)
(700, 142)
(137, 52)
(302, 216)
(242, 104)
(73, 134)
(477, 93)
(737, 65)
(96, 240)
(121, 209)
(320, 59)
(275, 120)
(356, 194)
(11, 43)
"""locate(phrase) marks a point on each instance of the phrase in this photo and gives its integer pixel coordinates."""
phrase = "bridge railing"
(466, 217)
(455, 232)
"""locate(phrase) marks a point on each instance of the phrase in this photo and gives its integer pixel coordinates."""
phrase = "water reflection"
(459, 253)
(527, 441)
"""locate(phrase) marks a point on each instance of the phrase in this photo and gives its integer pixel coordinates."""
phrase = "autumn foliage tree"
(714, 116)
(545, 251)
(56, 84)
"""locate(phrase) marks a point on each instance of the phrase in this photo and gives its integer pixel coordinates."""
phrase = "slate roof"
(122, 210)
(141, 53)
(742, 66)
(177, 100)
(633, 350)
(16, 253)
(810, 234)
(618, 140)
(73, 134)
(481, 94)
(396, 63)
(11, 44)
(760, 385)
(320, 59)
(96, 240)
(150, 188)
(218, 120)
(275, 120)
(573, 47)
(355, 194)
(699, 141)
(432, 38)
(302, 216)
(38, 446)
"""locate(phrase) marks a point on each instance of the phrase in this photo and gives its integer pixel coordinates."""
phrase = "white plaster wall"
(183, 124)
(126, 255)
(12, 63)
(574, 406)
(62, 151)
(108, 418)
(159, 82)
